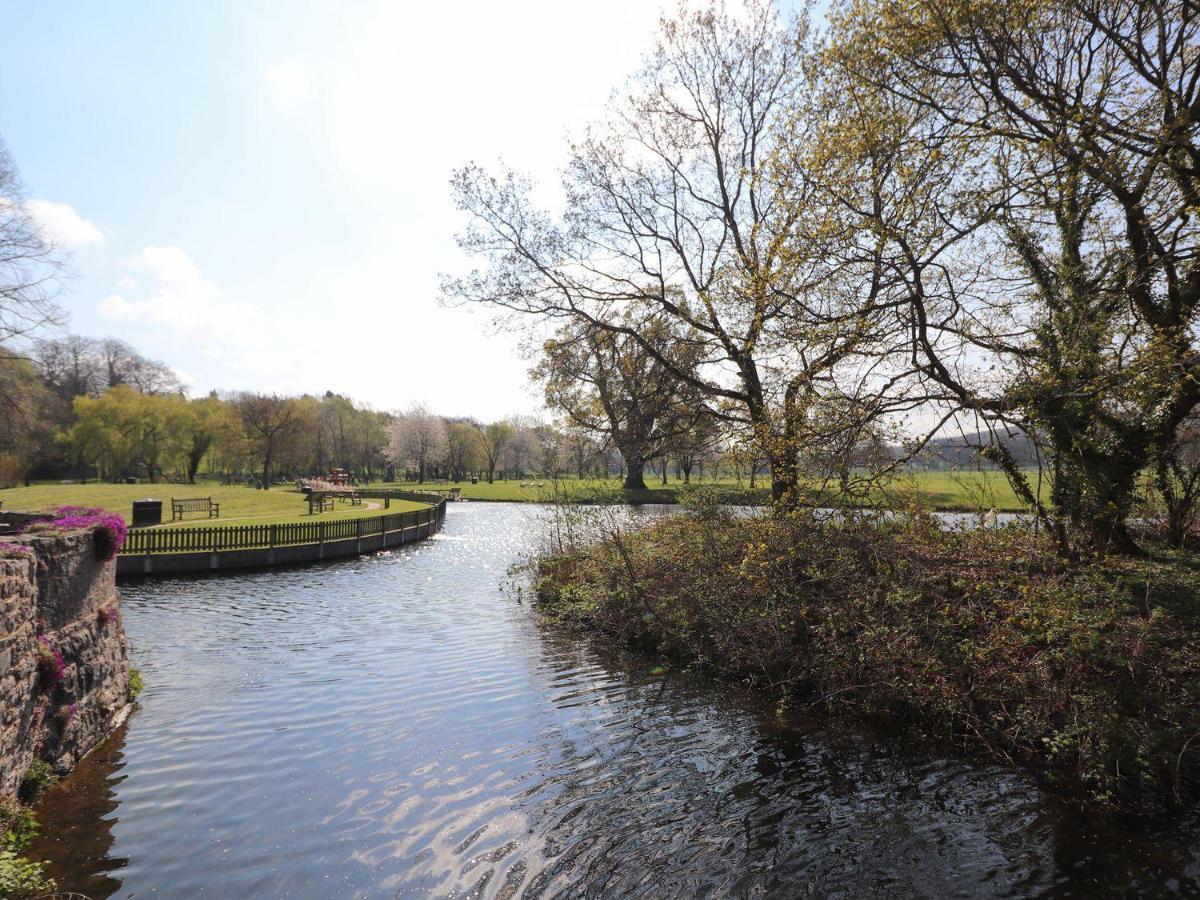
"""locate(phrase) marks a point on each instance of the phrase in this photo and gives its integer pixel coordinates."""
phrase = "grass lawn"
(240, 505)
(938, 489)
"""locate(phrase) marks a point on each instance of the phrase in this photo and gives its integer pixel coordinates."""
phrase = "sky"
(256, 193)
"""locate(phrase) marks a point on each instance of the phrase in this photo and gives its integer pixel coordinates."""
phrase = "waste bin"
(147, 512)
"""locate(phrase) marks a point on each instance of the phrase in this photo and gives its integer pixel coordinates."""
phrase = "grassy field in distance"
(240, 505)
(939, 489)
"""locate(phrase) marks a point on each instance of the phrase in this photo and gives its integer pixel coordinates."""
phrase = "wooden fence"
(216, 538)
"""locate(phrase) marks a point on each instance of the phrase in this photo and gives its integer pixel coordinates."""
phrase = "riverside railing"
(216, 538)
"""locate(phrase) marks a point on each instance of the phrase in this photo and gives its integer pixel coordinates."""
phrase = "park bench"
(319, 502)
(194, 504)
(355, 497)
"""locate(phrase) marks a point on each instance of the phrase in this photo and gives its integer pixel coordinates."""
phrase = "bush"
(18, 825)
(22, 878)
(136, 685)
(1088, 673)
(19, 877)
(38, 778)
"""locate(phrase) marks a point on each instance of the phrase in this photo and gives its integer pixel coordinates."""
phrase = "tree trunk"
(635, 474)
(266, 476)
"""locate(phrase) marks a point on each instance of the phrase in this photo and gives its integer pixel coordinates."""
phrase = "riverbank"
(1088, 675)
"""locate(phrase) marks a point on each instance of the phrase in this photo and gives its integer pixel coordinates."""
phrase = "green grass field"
(937, 489)
(245, 506)
(239, 505)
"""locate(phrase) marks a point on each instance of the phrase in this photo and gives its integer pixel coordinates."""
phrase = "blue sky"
(256, 192)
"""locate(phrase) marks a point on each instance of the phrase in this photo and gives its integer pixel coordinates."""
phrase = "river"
(399, 725)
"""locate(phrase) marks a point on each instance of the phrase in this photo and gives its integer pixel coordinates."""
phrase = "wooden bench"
(354, 497)
(319, 502)
(194, 504)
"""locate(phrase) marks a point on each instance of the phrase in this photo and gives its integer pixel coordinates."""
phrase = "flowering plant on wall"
(51, 665)
(108, 613)
(108, 529)
(9, 550)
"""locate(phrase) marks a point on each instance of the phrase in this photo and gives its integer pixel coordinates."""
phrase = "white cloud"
(63, 225)
(180, 299)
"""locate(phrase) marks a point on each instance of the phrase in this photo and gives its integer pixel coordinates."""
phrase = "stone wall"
(59, 598)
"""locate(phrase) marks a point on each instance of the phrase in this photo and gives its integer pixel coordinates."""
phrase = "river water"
(398, 725)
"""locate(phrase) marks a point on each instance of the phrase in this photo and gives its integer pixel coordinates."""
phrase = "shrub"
(22, 878)
(18, 825)
(135, 683)
(702, 501)
(38, 779)
(1088, 673)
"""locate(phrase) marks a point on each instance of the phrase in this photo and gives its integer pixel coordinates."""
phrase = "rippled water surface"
(397, 725)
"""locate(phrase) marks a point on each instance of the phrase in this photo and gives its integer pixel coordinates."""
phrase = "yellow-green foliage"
(136, 685)
(19, 877)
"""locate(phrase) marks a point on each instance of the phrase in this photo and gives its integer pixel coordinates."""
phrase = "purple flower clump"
(108, 528)
(51, 665)
(22, 551)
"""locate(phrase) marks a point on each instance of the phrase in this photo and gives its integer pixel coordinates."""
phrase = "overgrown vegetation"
(38, 779)
(136, 685)
(21, 877)
(1088, 673)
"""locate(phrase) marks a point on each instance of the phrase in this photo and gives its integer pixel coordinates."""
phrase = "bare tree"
(75, 366)
(29, 269)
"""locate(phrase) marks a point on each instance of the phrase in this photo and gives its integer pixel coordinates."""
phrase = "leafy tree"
(463, 453)
(123, 431)
(271, 424)
(623, 387)
(28, 417)
(1029, 175)
(493, 438)
(205, 419)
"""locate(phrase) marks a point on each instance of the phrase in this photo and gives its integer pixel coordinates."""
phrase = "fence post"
(321, 540)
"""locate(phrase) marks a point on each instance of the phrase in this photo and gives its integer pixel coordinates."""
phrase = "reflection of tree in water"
(710, 789)
(77, 820)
